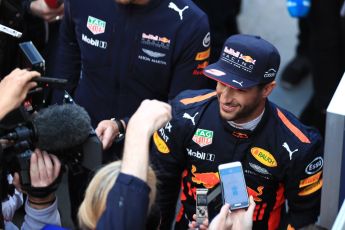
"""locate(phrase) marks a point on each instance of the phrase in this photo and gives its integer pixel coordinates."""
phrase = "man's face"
(238, 105)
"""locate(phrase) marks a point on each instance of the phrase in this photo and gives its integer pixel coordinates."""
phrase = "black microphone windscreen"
(60, 127)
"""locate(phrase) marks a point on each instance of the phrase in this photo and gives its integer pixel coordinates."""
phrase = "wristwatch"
(121, 128)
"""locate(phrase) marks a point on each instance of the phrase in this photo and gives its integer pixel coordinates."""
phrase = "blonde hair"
(97, 192)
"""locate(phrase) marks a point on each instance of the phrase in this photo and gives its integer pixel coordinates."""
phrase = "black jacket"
(281, 158)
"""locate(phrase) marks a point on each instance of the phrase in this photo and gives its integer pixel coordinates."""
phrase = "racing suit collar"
(246, 134)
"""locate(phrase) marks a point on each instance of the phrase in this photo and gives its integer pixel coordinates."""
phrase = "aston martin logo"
(153, 53)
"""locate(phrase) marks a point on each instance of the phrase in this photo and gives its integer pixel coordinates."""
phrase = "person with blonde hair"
(120, 194)
(97, 192)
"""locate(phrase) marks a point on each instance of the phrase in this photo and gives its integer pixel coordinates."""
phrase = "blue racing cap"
(245, 61)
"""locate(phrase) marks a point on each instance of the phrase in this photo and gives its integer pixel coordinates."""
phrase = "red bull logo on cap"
(247, 58)
(164, 40)
(239, 55)
(232, 52)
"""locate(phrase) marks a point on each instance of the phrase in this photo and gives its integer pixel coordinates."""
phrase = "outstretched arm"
(14, 88)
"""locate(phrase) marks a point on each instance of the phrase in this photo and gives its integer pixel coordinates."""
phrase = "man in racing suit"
(281, 158)
(117, 53)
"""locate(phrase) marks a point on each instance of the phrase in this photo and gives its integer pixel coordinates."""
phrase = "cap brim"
(233, 80)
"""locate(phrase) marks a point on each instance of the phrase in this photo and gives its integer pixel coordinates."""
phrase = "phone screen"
(234, 187)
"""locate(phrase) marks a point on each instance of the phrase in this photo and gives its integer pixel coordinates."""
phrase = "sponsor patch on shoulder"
(207, 40)
(314, 166)
(311, 188)
(203, 55)
(264, 157)
(310, 180)
(160, 144)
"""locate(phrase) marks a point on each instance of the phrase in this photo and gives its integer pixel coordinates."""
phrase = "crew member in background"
(117, 53)
(281, 158)
(327, 52)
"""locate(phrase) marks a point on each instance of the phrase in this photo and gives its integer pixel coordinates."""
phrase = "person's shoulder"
(293, 128)
(193, 7)
(193, 98)
(189, 8)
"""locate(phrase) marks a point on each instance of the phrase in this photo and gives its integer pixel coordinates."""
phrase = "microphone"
(60, 127)
(57, 129)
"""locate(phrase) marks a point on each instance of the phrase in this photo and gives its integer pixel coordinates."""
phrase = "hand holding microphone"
(14, 88)
(48, 10)
(54, 4)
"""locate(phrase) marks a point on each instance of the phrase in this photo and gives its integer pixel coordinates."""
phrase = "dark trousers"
(327, 58)
(303, 38)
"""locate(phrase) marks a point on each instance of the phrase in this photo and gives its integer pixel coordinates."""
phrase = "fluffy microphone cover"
(60, 127)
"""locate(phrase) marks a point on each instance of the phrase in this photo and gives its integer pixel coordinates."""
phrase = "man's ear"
(267, 90)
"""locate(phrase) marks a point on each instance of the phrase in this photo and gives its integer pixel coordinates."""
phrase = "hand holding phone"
(233, 184)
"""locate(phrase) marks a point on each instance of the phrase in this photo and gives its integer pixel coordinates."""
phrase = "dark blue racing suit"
(282, 160)
(115, 56)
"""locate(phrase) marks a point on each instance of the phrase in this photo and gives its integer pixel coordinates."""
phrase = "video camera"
(32, 59)
(63, 130)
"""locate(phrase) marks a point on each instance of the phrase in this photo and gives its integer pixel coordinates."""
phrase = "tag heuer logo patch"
(203, 137)
(95, 25)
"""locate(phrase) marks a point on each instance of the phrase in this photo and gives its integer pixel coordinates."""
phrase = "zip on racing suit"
(281, 158)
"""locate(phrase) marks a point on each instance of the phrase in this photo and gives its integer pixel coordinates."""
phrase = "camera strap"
(41, 192)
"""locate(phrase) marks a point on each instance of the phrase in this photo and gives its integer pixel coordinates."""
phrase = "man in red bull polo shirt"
(281, 158)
